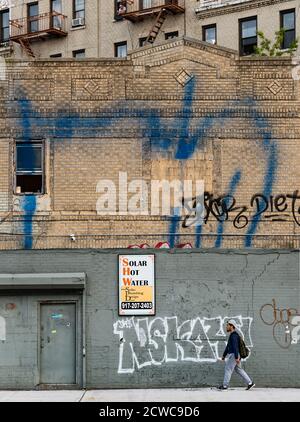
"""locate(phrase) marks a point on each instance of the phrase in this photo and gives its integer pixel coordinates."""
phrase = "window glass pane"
(33, 9)
(121, 50)
(29, 158)
(56, 6)
(5, 34)
(5, 19)
(146, 4)
(210, 35)
(249, 41)
(79, 14)
(289, 37)
(79, 4)
(79, 54)
(289, 20)
(249, 28)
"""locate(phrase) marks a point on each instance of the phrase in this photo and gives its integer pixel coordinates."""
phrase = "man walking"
(233, 362)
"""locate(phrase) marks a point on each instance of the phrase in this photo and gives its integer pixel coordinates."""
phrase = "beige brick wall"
(235, 117)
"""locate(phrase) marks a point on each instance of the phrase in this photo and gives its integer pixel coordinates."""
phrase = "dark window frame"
(204, 28)
(75, 11)
(117, 16)
(30, 21)
(74, 52)
(57, 55)
(120, 44)
(142, 41)
(241, 21)
(171, 35)
(56, 21)
(2, 27)
(34, 172)
(281, 14)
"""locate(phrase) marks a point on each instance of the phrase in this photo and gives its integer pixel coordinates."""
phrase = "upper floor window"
(29, 169)
(142, 41)
(33, 19)
(4, 25)
(170, 35)
(120, 9)
(79, 54)
(121, 49)
(288, 22)
(248, 35)
(145, 4)
(209, 33)
(56, 8)
(78, 9)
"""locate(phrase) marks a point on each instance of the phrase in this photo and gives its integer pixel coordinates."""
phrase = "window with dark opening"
(78, 9)
(288, 23)
(121, 49)
(248, 35)
(79, 54)
(209, 34)
(170, 35)
(4, 25)
(142, 41)
(120, 9)
(33, 18)
(56, 17)
(29, 167)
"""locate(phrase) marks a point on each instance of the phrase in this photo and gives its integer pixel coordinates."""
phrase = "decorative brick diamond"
(183, 77)
(275, 87)
(91, 87)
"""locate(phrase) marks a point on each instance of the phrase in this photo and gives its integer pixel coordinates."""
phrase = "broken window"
(29, 167)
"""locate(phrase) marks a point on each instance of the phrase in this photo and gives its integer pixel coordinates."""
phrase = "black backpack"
(243, 350)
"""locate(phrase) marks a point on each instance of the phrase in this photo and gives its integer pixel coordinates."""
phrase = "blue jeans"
(230, 366)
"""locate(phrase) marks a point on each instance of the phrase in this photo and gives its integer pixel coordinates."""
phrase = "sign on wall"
(136, 285)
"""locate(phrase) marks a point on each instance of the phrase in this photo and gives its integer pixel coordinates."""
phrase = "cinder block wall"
(178, 347)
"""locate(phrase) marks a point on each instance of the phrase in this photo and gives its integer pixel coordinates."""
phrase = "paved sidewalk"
(155, 395)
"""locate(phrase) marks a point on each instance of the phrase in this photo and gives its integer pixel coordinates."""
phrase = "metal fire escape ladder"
(161, 17)
(26, 46)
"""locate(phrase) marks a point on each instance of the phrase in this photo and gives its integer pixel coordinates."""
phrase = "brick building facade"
(181, 110)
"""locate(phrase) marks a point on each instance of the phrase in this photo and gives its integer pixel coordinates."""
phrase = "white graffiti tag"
(146, 341)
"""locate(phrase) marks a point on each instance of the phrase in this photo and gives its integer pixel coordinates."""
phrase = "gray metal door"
(58, 343)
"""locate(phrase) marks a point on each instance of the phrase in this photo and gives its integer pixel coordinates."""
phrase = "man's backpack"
(243, 350)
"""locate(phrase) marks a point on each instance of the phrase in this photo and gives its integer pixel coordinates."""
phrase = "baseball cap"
(232, 322)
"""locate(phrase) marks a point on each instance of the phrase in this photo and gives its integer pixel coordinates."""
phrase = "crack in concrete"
(259, 276)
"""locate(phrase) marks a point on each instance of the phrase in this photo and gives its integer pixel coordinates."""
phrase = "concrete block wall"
(196, 291)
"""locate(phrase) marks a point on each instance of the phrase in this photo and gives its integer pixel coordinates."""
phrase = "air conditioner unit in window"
(78, 22)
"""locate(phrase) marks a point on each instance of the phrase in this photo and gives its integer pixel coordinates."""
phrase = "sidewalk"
(155, 395)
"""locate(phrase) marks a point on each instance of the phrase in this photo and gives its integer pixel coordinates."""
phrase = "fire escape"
(25, 30)
(138, 10)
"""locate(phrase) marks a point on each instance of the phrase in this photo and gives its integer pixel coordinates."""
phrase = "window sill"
(75, 28)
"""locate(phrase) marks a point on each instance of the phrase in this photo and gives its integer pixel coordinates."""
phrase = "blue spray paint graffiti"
(28, 204)
(234, 182)
(177, 136)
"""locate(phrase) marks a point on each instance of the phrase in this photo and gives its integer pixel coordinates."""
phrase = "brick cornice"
(234, 8)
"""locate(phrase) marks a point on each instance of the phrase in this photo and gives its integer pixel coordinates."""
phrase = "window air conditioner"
(78, 22)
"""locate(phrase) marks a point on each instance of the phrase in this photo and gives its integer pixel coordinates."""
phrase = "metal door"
(58, 343)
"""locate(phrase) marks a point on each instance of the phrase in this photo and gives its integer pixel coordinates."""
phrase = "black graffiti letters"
(225, 208)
